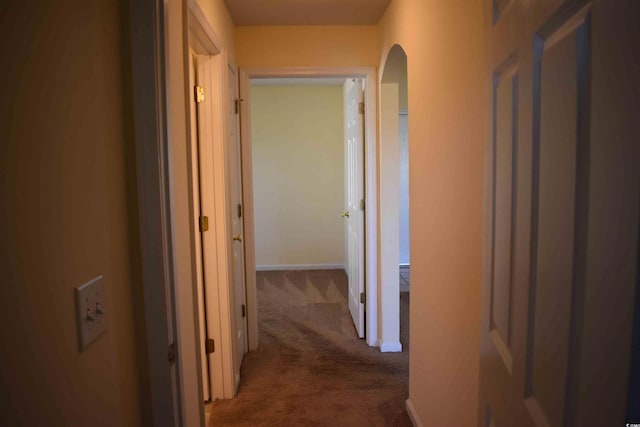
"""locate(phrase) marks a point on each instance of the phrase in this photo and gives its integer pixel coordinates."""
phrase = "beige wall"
(298, 174)
(68, 215)
(337, 46)
(443, 41)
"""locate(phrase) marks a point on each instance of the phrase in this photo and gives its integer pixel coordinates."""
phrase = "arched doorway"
(394, 203)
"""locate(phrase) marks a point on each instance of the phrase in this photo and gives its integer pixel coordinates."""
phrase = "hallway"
(310, 368)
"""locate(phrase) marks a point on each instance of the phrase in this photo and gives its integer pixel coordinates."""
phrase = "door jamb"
(371, 186)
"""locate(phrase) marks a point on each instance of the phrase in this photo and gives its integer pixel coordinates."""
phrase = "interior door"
(237, 224)
(561, 211)
(354, 199)
(195, 180)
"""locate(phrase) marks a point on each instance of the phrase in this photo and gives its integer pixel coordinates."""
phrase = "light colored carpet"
(310, 368)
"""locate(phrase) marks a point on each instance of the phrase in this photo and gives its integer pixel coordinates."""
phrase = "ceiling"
(306, 12)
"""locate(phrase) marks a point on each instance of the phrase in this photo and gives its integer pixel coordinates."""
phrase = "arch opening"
(394, 203)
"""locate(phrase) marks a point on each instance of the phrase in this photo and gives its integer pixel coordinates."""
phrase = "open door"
(195, 179)
(237, 226)
(354, 199)
(561, 212)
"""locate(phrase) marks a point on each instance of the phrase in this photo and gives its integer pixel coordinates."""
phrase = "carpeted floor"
(310, 368)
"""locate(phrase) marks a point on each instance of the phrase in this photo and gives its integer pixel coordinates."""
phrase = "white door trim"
(371, 186)
(154, 206)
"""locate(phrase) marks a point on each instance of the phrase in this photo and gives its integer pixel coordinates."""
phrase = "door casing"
(371, 188)
(213, 75)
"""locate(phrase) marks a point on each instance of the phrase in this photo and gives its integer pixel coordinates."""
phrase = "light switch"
(91, 311)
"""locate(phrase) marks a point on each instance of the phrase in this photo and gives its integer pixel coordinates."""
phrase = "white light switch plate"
(91, 312)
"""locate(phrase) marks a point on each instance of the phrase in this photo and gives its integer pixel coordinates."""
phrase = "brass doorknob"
(345, 214)
(237, 238)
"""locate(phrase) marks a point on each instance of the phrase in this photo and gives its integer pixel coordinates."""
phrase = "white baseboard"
(390, 347)
(412, 414)
(299, 267)
(402, 264)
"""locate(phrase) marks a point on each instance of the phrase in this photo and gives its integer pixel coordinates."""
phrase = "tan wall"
(68, 208)
(337, 46)
(444, 45)
(298, 174)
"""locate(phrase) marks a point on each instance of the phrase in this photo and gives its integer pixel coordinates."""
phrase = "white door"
(561, 211)
(195, 179)
(204, 172)
(235, 160)
(354, 199)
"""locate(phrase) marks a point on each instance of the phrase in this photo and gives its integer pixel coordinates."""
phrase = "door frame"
(160, 89)
(218, 286)
(371, 185)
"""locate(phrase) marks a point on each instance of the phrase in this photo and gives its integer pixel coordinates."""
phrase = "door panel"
(557, 210)
(195, 179)
(504, 152)
(561, 211)
(354, 193)
(208, 208)
(237, 225)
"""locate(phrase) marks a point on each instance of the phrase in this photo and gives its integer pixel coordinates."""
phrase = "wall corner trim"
(390, 347)
(412, 414)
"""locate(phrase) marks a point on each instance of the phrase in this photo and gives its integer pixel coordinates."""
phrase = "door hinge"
(204, 223)
(171, 354)
(361, 107)
(199, 94)
(363, 298)
(362, 205)
(239, 210)
(244, 310)
(209, 345)
(238, 101)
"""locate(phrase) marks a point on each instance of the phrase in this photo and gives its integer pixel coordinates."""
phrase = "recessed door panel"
(504, 155)
(557, 185)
